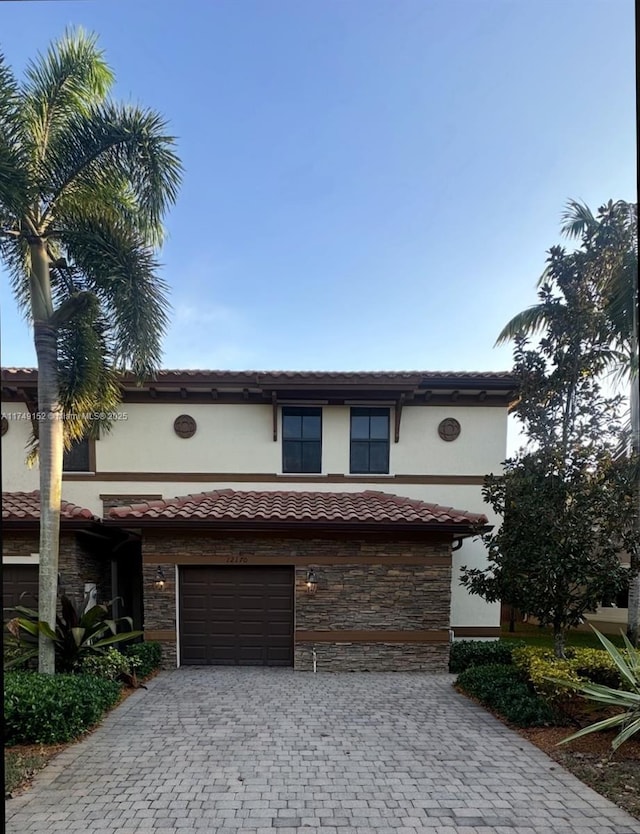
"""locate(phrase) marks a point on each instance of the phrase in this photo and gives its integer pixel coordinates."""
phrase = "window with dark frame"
(77, 459)
(369, 441)
(301, 439)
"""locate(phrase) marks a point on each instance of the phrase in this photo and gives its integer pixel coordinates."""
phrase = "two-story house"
(276, 518)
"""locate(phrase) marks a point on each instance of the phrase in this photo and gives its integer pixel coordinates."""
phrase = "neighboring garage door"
(17, 579)
(236, 616)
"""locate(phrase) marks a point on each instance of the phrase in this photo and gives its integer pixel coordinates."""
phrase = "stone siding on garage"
(375, 597)
(373, 657)
(75, 564)
(362, 586)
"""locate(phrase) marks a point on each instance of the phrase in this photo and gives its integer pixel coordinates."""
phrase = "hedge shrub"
(148, 653)
(53, 708)
(467, 653)
(109, 666)
(502, 688)
(538, 664)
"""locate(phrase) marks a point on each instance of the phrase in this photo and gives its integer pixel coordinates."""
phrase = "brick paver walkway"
(270, 751)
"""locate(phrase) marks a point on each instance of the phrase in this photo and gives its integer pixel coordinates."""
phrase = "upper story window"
(301, 439)
(370, 441)
(77, 459)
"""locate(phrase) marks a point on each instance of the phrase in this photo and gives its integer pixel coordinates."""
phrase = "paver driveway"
(266, 750)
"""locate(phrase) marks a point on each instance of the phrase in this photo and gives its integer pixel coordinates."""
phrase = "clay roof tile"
(370, 506)
(24, 506)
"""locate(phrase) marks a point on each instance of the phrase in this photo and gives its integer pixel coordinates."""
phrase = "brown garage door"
(17, 579)
(236, 616)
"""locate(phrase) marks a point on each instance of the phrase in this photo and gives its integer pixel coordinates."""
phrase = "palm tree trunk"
(634, 581)
(50, 448)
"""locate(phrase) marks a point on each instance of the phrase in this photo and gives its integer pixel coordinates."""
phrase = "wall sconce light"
(312, 582)
(159, 581)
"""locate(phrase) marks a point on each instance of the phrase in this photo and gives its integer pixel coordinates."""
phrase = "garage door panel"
(279, 626)
(221, 603)
(236, 615)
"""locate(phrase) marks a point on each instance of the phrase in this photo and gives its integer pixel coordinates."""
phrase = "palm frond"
(14, 183)
(87, 380)
(102, 195)
(120, 141)
(529, 321)
(71, 78)
(17, 260)
(578, 219)
(123, 273)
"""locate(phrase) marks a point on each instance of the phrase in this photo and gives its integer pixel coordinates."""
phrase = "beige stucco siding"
(229, 438)
(480, 448)
(16, 476)
(238, 439)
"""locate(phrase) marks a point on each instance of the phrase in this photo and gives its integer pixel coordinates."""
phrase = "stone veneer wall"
(160, 606)
(371, 598)
(355, 597)
(75, 564)
(372, 657)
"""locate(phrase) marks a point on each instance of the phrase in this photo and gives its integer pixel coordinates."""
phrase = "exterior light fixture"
(159, 581)
(312, 582)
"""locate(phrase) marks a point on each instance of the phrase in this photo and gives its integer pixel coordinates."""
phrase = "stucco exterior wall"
(238, 440)
(16, 475)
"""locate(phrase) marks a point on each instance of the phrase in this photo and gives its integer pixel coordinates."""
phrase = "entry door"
(16, 580)
(236, 616)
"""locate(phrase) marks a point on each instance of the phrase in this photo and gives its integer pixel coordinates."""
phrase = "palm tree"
(611, 240)
(84, 185)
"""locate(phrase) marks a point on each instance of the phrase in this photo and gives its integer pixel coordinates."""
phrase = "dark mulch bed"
(615, 775)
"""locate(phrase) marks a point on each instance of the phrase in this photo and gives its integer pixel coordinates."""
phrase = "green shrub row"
(502, 688)
(110, 665)
(467, 653)
(53, 708)
(149, 655)
(539, 664)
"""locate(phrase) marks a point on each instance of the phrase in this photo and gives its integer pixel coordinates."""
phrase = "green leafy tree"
(84, 185)
(567, 498)
(609, 241)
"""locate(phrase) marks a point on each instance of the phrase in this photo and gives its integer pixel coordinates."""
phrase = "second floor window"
(370, 441)
(301, 439)
(77, 458)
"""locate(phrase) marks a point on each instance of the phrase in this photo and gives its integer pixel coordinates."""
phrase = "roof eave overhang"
(65, 524)
(265, 386)
(455, 530)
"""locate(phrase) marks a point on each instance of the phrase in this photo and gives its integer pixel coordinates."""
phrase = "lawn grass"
(533, 635)
(22, 763)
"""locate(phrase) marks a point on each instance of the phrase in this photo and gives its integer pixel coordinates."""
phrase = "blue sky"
(368, 184)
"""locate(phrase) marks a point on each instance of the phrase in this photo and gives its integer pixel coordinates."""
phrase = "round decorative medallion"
(449, 429)
(4, 426)
(184, 426)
